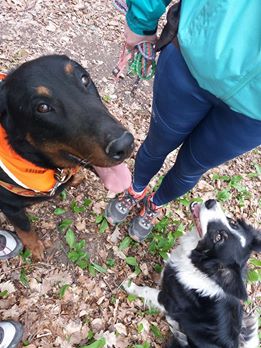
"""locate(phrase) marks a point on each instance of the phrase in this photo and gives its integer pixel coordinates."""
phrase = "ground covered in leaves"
(73, 298)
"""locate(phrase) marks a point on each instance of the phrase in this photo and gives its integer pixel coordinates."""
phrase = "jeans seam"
(158, 118)
(194, 158)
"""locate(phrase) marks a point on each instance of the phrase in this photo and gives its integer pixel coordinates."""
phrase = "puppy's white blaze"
(217, 214)
(190, 276)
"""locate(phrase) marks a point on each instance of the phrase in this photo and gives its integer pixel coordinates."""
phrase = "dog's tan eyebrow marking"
(42, 90)
(68, 68)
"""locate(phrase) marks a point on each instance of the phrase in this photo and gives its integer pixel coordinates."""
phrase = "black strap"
(170, 30)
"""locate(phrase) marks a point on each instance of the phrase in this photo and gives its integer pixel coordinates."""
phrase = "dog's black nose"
(210, 203)
(119, 149)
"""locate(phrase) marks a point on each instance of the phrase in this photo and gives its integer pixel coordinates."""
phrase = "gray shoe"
(142, 225)
(10, 245)
(118, 208)
(11, 333)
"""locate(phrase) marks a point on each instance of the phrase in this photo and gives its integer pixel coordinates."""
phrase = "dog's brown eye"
(43, 108)
(85, 80)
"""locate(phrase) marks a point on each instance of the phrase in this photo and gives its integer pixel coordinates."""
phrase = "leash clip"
(61, 176)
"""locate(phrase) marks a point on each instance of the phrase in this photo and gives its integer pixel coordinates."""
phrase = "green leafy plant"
(110, 263)
(158, 183)
(186, 200)
(90, 335)
(106, 98)
(254, 276)
(65, 224)
(140, 328)
(76, 208)
(131, 297)
(158, 268)
(223, 195)
(4, 294)
(32, 218)
(63, 195)
(26, 256)
(125, 243)
(77, 253)
(59, 211)
(234, 187)
(26, 343)
(132, 261)
(102, 223)
(97, 344)
(151, 311)
(79, 256)
(23, 277)
(144, 345)
(257, 172)
(63, 289)
(156, 331)
(27, 261)
(164, 237)
(254, 273)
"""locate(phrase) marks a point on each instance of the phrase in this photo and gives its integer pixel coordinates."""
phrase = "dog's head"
(225, 246)
(54, 116)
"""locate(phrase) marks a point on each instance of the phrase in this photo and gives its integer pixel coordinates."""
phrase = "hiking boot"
(142, 225)
(119, 207)
(10, 245)
(11, 333)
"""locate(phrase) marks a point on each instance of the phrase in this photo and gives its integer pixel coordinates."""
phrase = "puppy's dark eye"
(233, 223)
(85, 80)
(43, 108)
(218, 238)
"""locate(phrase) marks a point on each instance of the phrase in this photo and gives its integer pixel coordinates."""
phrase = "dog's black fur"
(54, 118)
(202, 285)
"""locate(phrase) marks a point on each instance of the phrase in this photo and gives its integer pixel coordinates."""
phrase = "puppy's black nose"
(121, 148)
(210, 203)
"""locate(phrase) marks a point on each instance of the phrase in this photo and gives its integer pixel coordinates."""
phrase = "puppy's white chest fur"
(190, 276)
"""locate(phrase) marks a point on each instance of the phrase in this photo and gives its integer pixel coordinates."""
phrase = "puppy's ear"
(230, 279)
(253, 233)
(256, 243)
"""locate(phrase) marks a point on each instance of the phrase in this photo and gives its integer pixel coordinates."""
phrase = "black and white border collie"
(202, 285)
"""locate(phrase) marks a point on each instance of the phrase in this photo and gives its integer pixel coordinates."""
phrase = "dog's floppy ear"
(256, 243)
(230, 279)
(2, 98)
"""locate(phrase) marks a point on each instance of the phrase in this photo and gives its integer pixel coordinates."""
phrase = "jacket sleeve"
(143, 15)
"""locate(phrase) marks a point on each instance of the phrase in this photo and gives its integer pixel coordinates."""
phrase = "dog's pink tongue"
(196, 210)
(116, 179)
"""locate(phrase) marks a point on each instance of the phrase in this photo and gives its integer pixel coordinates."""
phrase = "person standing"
(206, 99)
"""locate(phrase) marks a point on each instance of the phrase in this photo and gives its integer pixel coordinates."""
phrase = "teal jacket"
(220, 41)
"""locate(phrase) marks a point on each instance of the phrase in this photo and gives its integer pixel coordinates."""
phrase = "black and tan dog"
(52, 120)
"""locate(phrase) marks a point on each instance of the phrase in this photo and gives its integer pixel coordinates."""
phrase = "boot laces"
(126, 202)
(149, 213)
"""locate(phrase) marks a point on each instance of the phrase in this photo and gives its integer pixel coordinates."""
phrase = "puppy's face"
(225, 245)
(50, 106)
(222, 237)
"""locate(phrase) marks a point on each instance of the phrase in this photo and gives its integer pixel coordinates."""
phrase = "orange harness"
(30, 179)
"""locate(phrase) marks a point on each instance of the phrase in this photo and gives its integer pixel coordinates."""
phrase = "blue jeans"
(184, 114)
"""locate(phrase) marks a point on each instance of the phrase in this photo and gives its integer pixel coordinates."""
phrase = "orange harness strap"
(22, 191)
(30, 180)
